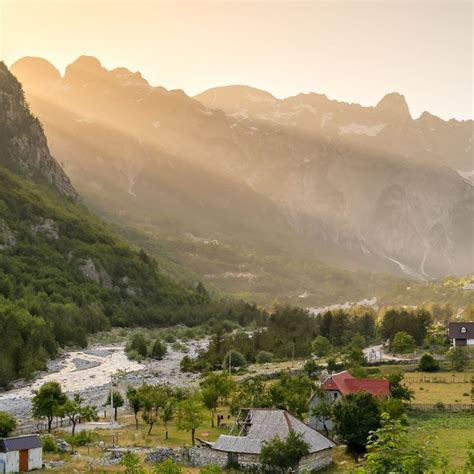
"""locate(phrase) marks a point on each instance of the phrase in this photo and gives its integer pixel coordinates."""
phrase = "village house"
(253, 427)
(340, 384)
(20, 454)
(461, 333)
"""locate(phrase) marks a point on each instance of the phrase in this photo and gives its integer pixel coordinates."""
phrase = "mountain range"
(64, 273)
(259, 196)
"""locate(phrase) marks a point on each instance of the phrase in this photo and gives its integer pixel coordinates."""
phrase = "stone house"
(340, 384)
(20, 454)
(252, 428)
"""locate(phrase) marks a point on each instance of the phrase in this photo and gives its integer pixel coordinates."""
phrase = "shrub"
(83, 438)
(170, 338)
(186, 364)
(440, 406)
(211, 469)
(158, 350)
(236, 359)
(428, 363)
(139, 344)
(167, 467)
(264, 357)
(49, 444)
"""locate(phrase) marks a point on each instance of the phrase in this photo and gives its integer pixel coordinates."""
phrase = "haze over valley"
(239, 187)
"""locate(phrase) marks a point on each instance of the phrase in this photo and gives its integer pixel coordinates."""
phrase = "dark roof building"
(254, 427)
(20, 443)
(461, 333)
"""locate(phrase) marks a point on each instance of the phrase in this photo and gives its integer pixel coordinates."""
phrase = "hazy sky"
(350, 50)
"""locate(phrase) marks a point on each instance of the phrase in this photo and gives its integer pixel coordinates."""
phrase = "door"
(24, 460)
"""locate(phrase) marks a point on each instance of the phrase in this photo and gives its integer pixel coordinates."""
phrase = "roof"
(19, 443)
(461, 330)
(266, 424)
(345, 383)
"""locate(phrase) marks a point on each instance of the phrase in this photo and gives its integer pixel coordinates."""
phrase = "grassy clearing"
(128, 436)
(451, 431)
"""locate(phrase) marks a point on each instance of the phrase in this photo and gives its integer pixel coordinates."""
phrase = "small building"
(340, 384)
(20, 454)
(461, 333)
(252, 428)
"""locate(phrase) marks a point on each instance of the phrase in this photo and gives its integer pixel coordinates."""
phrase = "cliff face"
(365, 187)
(23, 144)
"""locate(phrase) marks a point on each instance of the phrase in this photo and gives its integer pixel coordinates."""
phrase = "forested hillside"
(63, 272)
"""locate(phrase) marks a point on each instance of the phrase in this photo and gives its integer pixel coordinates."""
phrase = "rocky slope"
(305, 176)
(23, 144)
(63, 273)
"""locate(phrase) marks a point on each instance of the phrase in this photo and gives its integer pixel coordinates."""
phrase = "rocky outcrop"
(7, 236)
(95, 272)
(46, 227)
(359, 186)
(23, 144)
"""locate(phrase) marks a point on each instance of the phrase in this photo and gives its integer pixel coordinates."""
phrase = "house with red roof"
(337, 386)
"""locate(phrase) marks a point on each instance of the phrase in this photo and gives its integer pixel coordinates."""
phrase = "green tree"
(428, 363)
(210, 400)
(321, 346)
(158, 350)
(392, 450)
(403, 343)
(75, 410)
(47, 401)
(117, 400)
(264, 357)
(250, 393)
(132, 463)
(355, 416)
(234, 359)
(168, 466)
(139, 344)
(292, 393)
(8, 424)
(284, 454)
(167, 413)
(221, 383)
(153, 399)
(457, 356)
(135, 402)
(398, 389)
(189, 415)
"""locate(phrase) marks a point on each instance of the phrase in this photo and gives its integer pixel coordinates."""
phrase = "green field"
(451, 433)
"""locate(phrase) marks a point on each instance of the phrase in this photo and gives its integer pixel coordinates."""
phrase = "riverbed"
(89, 371)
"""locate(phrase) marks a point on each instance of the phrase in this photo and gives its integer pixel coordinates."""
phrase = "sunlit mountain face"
(239, 185)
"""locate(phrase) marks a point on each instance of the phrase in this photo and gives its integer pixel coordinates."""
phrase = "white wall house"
(462, 333)
(20, 454)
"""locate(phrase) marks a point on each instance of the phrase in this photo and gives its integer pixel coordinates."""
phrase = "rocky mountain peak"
(83, 70)
(395, 105)
(235, 97)
(36, 74)
(23, 145)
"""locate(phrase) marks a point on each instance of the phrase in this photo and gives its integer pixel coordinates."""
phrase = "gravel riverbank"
(88, 373)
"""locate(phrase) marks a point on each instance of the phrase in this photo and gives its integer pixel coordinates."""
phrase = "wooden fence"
(441, 407)
(42, 427)
(439, 379)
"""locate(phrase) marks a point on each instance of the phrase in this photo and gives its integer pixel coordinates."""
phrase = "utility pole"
(112, 409)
